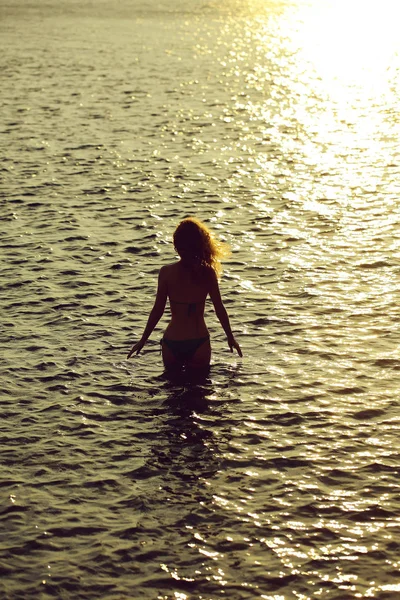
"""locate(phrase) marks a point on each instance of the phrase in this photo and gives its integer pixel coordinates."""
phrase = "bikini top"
(191, 306)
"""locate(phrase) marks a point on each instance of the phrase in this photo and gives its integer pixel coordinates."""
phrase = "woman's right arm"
(221, 312)
(155, 314)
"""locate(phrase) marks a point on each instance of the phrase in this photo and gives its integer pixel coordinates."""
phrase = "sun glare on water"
(350, 41)
(345, 63)
(332, 109)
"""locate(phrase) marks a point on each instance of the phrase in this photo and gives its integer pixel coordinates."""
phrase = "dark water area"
(276, 476)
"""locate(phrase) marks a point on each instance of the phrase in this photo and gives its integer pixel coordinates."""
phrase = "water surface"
(277, 477)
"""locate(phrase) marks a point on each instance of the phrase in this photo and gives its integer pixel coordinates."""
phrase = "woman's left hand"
(233, 344)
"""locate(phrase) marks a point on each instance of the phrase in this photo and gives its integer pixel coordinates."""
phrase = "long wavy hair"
(194, 236)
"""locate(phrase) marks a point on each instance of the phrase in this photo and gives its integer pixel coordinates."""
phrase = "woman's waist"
(185, 330)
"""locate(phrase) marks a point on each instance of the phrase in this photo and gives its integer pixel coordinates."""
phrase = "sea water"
(277, 476)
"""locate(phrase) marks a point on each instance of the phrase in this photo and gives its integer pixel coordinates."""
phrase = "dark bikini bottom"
(184, 350)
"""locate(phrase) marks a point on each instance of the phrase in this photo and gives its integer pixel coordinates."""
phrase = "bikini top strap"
(191, 305)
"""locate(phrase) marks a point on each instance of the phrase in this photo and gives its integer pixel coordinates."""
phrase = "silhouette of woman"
(187, 283)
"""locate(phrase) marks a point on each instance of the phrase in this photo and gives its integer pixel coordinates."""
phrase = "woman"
(187, 283)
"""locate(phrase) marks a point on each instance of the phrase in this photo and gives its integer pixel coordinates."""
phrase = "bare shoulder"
(167, 271)
(210, 276)
(209, 272)
(169, 268)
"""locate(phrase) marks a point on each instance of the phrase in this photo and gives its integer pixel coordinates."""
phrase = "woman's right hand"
(136, 348)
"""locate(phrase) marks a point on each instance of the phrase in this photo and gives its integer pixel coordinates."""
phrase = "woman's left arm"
(155, 314)
(221, 313)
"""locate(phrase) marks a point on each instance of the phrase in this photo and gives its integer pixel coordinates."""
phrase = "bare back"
(187, 289)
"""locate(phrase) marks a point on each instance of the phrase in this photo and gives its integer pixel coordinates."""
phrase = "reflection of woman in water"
(187, 283)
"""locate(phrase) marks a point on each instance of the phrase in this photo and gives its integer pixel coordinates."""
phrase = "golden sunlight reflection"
(332, 112)
(352, 41)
